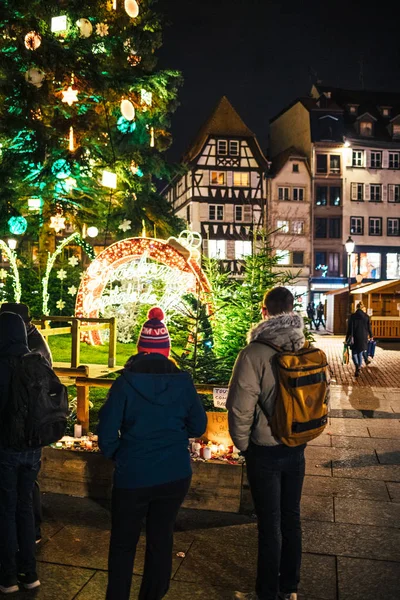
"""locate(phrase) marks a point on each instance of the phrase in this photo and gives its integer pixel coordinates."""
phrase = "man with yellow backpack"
(277, 402)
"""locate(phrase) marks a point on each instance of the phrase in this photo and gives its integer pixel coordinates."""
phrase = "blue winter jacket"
(145, 425)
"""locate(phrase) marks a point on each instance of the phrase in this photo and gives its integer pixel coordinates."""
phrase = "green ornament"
(17, 225)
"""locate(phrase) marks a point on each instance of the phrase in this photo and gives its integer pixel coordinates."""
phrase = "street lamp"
(349, 245)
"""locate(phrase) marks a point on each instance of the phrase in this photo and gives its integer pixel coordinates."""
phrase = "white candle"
(206, 453)
(77, 430)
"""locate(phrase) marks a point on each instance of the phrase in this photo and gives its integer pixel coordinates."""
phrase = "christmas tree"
(84, 118)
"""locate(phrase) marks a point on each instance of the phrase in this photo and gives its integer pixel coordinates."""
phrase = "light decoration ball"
(85, 27)
(17, 225)
(32, 40)
(132, 8)
(61, 169)
(35, 77)
(127, 110)
(59, 24)
(92, 231)
(109, 179)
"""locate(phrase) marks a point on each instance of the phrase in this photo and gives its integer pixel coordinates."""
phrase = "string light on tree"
(60, 304)
(132, 8)
(102, 29)
(152, 137)
(8, 251)
(35, 204)
(32, 40)
(109, 179)
(70, 95)
(92, 232)
(61, 274)
(3, 273)
(72, 290)
(73, 261)
(71, 144)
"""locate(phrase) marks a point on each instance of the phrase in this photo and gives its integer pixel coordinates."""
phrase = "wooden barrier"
(386, 327)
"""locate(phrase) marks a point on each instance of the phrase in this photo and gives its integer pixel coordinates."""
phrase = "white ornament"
(127, 110)
(85, 27)
(92, 231)
(59, 24)
(146, 97)
(35, 77)
(32, 40)
(132, 8)
(57, 223)
(125, 225)
(70, 96)
(73, 261)
(61, 274)
(102, 29)
(72, 290)
(60, 304)
(3, 273)
(109, 179)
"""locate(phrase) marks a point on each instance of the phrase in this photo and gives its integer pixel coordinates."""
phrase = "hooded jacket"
(253, 381)
(359, 327)
(146, 421)
(13, 342)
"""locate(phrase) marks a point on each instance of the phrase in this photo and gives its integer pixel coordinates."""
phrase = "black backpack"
(37, 408)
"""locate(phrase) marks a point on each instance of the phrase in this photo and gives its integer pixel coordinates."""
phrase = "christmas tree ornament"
(109, 179)
(32, 40)
(35, 77)
(85, 27)
(127, 110)
(17, 225)
(134, 60)
(135, 169)
(73, 261)
(72, 290)
(71, 145)
(57, 222)
(92, 232)
(3, 273)
(36, 115)
(132, 8)
(59, 24)
(102, 29)
(12, 244)
(70, 95)
(61, 274)
(99, 48)
(152, 139)
(125, 126)
(125, 225)
(34, 203)
(60, 304)
(146, 97)
(61, 169)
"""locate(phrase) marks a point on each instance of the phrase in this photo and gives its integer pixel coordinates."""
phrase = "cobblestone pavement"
(350, 513)
(384, 370)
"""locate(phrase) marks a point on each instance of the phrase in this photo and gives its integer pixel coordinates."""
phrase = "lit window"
(298, 194)
(240, 178)
(358, 158)
(283, 257)
(366, 128)
(393, 226)
(216, 212)
(357, 225)
(242, 249)
(394, 193)
(321, 196)
(376, 160)
(386, 112)
(298, 227)
(218, 178)
(283, 193)
(234, 148)
(283, 226)
(392, 265)
(370, 265)
(396, 131)
(353, 109)
(222, 147)
(393, 160)
(334, 163)
(238, 213)
(376, 195)
(375, 226)
(217, 249)
(334, 195)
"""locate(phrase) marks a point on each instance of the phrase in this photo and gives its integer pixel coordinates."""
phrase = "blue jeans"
(358, 358)
(18, 472)
(276, 475)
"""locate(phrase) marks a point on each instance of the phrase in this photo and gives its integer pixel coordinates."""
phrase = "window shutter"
(254, 179)
(229, 178)
(354, 191)
(367, 191)
(391, 192)
(247, 213)
(205, 247)
(384, 193)
(368, 159)
(385, 159)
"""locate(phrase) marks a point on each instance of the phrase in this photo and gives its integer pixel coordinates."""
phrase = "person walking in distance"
(358, 332)
(152, 410)
(275, 471)
(320, 315)
(311, 315)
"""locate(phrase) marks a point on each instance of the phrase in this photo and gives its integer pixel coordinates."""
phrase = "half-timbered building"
(223, 193)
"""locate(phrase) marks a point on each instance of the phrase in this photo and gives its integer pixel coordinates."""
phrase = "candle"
(214, 448)
(206, 453)
(89, 444)
(77, 430)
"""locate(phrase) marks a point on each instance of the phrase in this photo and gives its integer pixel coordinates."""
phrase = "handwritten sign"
(217, 428)
(219, 397)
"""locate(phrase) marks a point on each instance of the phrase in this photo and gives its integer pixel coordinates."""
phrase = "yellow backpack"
(302, 394)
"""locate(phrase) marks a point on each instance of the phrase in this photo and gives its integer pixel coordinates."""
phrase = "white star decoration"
(3, 273)
(72, 290)
(73, 261)
(61, 274)
(70, 96)
(125, 225)
(102, 29)
(57, 223)
(60, 304)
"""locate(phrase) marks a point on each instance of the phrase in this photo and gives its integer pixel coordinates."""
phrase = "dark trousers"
(37, 510)
(18, 472)
(159, 505)
(276, 475)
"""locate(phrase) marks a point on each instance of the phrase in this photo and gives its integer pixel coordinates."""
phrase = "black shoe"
(8, 585)
(357, 373)
(29, 581)
(368, 361)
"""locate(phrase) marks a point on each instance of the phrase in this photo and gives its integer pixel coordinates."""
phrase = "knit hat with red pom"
(154, 336)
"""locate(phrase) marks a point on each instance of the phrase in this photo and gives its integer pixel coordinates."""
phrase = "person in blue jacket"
(151, 411)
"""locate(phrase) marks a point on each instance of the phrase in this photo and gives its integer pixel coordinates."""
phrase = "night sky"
(262, 54)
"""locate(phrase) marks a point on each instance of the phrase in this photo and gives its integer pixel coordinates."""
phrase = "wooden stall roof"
(374, 287)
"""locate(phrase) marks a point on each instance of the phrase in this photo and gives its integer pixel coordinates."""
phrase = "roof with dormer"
(224, 121)
(280, 160)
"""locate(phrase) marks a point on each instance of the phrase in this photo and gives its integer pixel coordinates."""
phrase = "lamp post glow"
(349, 245)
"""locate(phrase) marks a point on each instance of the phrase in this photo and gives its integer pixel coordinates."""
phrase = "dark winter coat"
(13, 342)
(359, 327)
(37, 343)
(151, 411)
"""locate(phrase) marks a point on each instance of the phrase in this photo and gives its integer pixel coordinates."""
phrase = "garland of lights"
(52, 258)
(12, 257)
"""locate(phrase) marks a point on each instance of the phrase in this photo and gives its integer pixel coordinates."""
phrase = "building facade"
(352, 142)
(223, 193)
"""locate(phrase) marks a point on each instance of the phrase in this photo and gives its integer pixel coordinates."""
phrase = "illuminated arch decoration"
(178, 253)
(12, 259)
